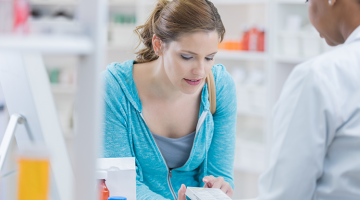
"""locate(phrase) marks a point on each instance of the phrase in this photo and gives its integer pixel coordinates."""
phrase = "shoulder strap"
(212, 92)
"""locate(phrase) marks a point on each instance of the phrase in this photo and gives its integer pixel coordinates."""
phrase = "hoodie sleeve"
(222, 149)
(117, 141)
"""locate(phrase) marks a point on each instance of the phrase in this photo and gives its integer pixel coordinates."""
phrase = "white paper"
(197, 193)
(121, 179)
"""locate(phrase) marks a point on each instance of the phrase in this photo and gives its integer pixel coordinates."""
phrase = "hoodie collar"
(124, 75)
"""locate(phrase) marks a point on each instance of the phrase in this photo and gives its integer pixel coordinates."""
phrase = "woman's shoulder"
(119, 83)
(118, 71)
(222, 77)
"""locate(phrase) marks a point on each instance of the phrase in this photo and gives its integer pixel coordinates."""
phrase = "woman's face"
(189, 60)
(325, 18)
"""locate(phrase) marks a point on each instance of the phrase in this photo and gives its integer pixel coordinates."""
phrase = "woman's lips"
(193, 81)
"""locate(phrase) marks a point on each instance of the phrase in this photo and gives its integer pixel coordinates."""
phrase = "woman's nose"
(199, 69)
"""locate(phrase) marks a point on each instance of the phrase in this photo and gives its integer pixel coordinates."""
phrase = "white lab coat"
(316, 130)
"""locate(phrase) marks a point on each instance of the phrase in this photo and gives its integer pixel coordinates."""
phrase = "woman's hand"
(181, 193)
(219, 182)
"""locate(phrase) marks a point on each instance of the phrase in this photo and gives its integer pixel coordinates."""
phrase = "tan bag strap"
(212, 92)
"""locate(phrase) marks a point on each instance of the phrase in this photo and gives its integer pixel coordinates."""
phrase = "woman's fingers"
(230, 191)
(226, 188)
(181, 193)
(209, 181)
(219, 182)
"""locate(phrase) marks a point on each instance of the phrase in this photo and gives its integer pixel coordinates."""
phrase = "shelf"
(237, 2)
(47, 44)
(134, 2)
(122, 3)
(54, 2)
(75, 2)
(114, 47)
(290, 60)
(63, 89)
(240, 55)
(296, 2)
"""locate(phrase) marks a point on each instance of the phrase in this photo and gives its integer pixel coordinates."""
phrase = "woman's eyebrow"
(213, 53)
(197, 54)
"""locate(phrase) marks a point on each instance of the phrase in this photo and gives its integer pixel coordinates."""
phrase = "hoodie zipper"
(169, 175)
(200, 123)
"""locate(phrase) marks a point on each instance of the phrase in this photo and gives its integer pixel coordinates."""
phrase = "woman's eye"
(306, 1)
(209, 58)
(186, 57)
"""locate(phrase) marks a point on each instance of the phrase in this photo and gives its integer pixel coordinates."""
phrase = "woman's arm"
(222, 149)
(117, 141)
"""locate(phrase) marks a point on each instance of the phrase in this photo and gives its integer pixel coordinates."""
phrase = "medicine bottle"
(34, 173)
(101, 176)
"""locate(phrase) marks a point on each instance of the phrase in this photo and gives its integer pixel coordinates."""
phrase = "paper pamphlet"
(198, 193)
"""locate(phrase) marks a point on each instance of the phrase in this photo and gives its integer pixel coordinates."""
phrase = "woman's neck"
(160, 84)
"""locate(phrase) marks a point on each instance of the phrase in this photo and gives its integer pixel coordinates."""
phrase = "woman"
(157, 107)
(316, 143)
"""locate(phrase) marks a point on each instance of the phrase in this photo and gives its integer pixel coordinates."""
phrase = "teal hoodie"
(127, 135)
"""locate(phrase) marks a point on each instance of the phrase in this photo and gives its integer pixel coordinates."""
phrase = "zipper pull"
(170, 173)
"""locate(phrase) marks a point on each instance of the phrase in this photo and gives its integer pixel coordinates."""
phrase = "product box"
(198, 193)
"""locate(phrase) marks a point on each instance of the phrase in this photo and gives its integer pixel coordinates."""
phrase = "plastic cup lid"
(117, 198)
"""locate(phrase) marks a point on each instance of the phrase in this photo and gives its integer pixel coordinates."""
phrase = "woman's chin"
(190, 89)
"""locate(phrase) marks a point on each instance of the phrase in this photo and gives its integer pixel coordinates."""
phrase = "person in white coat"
(316, 126)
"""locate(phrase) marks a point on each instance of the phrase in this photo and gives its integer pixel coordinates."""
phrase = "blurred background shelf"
(237, 2)
(54, 2)
(47, 44)
(296, 2)
(123, 2)
(290, 60)
(241, 55)
(63, 89)
(76, 2)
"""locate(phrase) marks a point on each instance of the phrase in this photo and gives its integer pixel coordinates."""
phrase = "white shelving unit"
(54, 2)
(81, 45)
(90, 47)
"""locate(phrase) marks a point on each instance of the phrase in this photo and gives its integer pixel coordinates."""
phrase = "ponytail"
(145, 33)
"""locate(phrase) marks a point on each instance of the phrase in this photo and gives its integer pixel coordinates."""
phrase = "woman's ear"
(332, 2)
(157, 45)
